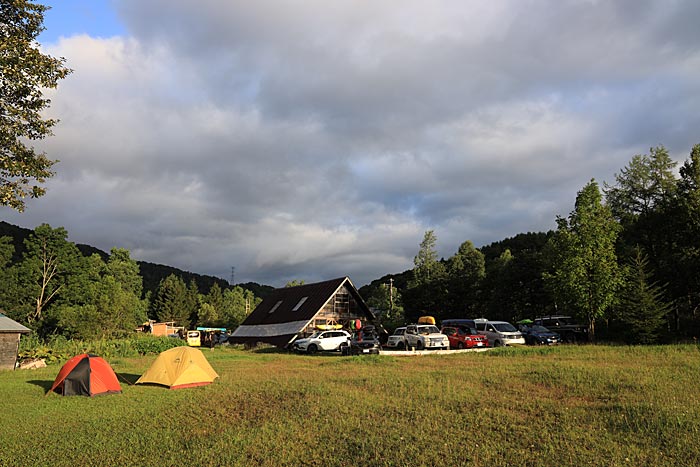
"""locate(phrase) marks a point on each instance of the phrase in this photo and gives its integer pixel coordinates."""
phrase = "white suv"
(499, 333)
(322, 340)
(397, 340)
(425, 336)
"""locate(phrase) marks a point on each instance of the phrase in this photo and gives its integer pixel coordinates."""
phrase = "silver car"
(500, 333)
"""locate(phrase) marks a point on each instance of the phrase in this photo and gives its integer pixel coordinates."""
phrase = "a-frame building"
(292, 312)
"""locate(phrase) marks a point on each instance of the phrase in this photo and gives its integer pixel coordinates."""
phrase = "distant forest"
(151, 273)
(78, 291)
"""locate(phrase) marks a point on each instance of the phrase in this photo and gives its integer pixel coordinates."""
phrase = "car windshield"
(315, 335)
(399, 332)
(539, 328)
(504, 327)
(428, 329)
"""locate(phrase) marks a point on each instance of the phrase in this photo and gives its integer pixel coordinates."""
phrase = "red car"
(462, 337)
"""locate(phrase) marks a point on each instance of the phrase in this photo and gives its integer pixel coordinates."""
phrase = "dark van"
(458, 322)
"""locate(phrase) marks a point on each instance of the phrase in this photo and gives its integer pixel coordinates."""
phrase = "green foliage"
(466, 270)
(585, 274)
(171, 303)
(387, 302)
(237, 304)
(58, 349)
(427, 291)
(642, 308)
(427, 267)
(647, 181)
(294, 283)
(51, 266)
(25, 73)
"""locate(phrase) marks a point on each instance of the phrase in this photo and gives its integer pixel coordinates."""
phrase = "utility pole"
(391, 296)
(233, 275)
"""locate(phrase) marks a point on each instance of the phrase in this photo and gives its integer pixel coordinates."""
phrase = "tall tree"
(644, 183)
(466, 270)
(426, 292)
(125, 271)
(50, 263)
(642, 307)
(585, 271)
(170, 303)
(682, 226)
(426, 264)
(24, 74)
(237, 304)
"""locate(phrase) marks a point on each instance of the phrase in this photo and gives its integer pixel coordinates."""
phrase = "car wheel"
(401, 346)
(312, 349)
(344, 349)
(497, 343)
(419, 345)
(460, 345)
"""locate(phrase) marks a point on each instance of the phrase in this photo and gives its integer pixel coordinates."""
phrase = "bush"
(58, 348)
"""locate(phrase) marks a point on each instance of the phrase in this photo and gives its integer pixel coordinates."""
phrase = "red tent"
(86, 375)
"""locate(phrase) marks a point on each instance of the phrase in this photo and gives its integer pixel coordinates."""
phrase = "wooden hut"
(10, 332)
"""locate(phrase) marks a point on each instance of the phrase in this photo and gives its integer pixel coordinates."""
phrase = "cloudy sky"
(316, 139)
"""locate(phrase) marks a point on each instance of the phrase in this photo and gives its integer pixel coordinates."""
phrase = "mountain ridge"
(151, 273)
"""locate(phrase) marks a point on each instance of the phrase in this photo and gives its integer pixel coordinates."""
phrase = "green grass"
(565, 406)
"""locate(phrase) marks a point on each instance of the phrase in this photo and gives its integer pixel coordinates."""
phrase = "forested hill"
(151, 273)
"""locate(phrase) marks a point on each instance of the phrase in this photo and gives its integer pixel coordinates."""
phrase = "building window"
(277, 305)
(298, 305)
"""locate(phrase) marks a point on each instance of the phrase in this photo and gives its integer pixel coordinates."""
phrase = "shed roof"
(11, 326)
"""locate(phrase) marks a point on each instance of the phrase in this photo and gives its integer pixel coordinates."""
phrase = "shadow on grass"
(42, 383)
(127, 378)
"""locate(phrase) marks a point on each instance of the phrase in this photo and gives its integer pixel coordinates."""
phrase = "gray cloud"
(308, 140)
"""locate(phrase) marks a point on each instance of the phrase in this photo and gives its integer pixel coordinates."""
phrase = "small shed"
(10, 332)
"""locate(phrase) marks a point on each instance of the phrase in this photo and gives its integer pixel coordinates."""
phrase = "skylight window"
(277, 305)
(298, 305)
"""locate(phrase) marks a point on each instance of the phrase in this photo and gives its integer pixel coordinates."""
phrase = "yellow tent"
(180, 367)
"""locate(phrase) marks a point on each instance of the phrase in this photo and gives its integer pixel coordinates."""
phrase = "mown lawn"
(565, 406)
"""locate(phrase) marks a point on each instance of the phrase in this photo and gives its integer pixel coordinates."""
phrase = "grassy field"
(565, 406)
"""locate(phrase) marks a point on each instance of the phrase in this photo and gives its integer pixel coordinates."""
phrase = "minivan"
(499, 333)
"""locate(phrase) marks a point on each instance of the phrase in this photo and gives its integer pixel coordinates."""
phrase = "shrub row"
(58, 348)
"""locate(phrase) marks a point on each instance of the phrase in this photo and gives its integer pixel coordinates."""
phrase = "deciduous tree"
(25, 73)
(585, 269)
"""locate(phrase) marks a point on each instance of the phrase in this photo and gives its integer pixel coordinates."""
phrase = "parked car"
(364, 341)
(322, 340)
(539, 335)
(565, 326)
(464, 337)
(397, 340)
(425, 336)
(499, 333)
